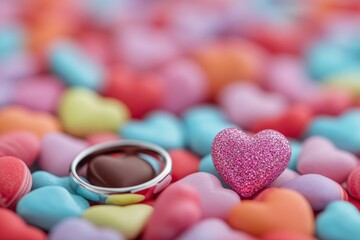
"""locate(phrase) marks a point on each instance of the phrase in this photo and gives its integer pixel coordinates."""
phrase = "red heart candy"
(292, 123)
(184, 163)
(141, 93)
(175, 210)
(13, 227)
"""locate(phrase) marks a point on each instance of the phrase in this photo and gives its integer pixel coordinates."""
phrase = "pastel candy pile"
(256, 102)
(41, 207)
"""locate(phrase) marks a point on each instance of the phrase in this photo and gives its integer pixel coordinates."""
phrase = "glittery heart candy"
(250, 163)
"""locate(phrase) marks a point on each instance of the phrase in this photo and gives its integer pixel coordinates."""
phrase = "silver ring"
(155, 185)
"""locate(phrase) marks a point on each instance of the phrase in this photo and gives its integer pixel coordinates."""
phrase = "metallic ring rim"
(111, 147)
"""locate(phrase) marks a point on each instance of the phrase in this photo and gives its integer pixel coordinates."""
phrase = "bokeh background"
(174, 54)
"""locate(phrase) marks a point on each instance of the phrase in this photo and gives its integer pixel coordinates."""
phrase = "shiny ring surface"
(147, 189)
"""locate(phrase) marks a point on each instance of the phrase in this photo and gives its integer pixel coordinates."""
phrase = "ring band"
(147, 189)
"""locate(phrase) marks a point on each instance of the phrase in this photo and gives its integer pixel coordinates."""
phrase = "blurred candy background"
(151, 54)
(74, 73)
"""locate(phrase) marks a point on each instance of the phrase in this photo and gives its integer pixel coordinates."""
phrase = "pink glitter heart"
(250, 163)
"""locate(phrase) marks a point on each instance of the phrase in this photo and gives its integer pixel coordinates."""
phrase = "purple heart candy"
(80, 229)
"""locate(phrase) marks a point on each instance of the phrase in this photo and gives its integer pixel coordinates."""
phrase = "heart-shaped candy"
(213, 229)
(216, 201)
(339, 131)
(126, 85)
(83, 112)
(225, 62)
(47, 206)
(54, 143)
(287, 76)
(81, 229)
(274, 209)
(295, 152)
(323, 190)
(129, 220)
(13, 227)
(286, 176)
(207, 165)
(117, 172)
(329, 101)
(15, 181)
(14, 118)
(179, 77)
(292, 123)
(74, 66)
(23, 145)
(40, 93)
(250, 163)
(202, 123)
(340, 220)
(42, 179)
(319, 155)
(175, 210)
(246, 103)
(160, 128)
(158, 49)
(184, 163)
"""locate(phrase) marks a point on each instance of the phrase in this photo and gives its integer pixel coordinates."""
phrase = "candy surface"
(97, 114)
(13, 227)
(332, 223)
(250, 163)
(77, 228)
(23, 145)
(68, 147)
(318, 155)
(47, 206)
(278, 209)
(216, 201)
(129, 220)
(177, 209)
(256, 102)
(15, 179)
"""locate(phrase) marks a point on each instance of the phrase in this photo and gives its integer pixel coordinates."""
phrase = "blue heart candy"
(339, 221)
(202, 124)
(73, 66)
(42, 179)
(160, 128)
(47, 206)
(295, 151)
(329, 58)
(341, 131)
(207, 165)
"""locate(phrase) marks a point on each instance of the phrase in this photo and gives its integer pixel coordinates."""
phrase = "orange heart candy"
(16, 118)
(273, 210)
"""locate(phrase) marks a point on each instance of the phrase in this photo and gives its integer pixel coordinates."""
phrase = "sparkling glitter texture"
(250, 163)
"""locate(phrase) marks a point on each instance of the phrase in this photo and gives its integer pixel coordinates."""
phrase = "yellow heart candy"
(349, 81)
(124, 199)
(83, 112)
(129, 220)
